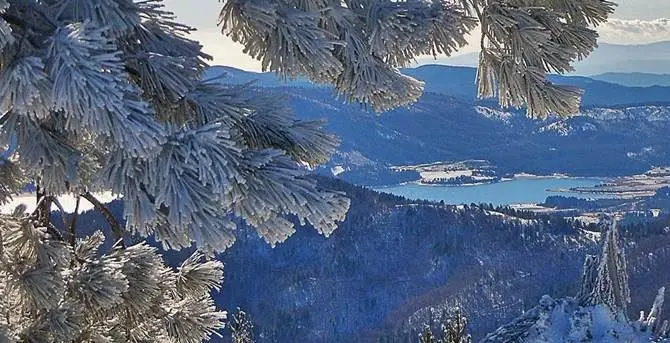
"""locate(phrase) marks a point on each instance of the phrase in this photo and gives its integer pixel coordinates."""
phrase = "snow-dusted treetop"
(108, 95)
(605, 279)
(357, 45)
(596, 314)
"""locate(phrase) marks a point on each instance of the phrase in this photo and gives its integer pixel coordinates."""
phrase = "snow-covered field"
(445, 174)
(449, 171)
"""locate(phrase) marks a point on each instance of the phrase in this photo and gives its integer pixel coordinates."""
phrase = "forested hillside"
(392, 260)
(395, 265)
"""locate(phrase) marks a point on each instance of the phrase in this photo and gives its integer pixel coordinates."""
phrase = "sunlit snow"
(68, 202)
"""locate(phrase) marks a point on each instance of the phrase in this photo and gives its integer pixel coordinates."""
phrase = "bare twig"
(5, 116)
(53, 231)
(42, 213)
(38, 196)
(56, 202)
(113, 223)
(43, 208)
(73, 223)
(40, 202)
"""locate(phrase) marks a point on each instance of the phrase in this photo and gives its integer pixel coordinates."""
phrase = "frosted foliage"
(607, 277)
(25, 87)
(596, 314)
(41, 151)
(11, 180)
(357, 45)
(652, 321)
(89, 78)
(270, 195)
(654, 318)
(109, 95)
(51, 291)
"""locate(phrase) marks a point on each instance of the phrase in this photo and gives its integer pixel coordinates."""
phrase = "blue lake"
(516, 191)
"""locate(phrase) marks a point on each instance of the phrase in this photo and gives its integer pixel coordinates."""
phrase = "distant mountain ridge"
(459, 82)
(623, 128)
(237, 76)
(651, 58)
(635, 79)
(599, 142)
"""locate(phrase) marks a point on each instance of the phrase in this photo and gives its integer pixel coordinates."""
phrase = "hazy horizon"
(634, 22)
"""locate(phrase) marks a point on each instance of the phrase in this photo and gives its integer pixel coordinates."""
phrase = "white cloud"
(634, 31)
(224, 50)
(615, 31)
(203, 15)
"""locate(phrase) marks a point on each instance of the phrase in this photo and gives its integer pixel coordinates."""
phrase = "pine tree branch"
(73, 222)
(113, 223)
(43, 207)
(5, 117)
(39, 11)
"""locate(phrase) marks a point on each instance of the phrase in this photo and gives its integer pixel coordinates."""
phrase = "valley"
(483, 200)
(396, 264)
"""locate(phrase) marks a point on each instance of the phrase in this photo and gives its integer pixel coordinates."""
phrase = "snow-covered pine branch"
(357, 45)
(52, 292)
(109, 95)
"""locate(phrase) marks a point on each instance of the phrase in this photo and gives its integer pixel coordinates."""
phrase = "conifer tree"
(453, 330)
(51, 291)
(242, 328)
(606, 279)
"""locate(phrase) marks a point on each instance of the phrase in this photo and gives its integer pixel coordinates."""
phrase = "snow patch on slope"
(495, 114)
(564, 320)
(567, 128)
(646, 113)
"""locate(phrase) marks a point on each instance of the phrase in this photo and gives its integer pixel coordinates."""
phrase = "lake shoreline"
(535, 189)
(524, 189)
(519, 176)
(479, 177)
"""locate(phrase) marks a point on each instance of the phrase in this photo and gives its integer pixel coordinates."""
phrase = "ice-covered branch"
(357, 45)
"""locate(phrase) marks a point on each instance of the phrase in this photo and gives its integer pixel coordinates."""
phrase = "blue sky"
(635, 22)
